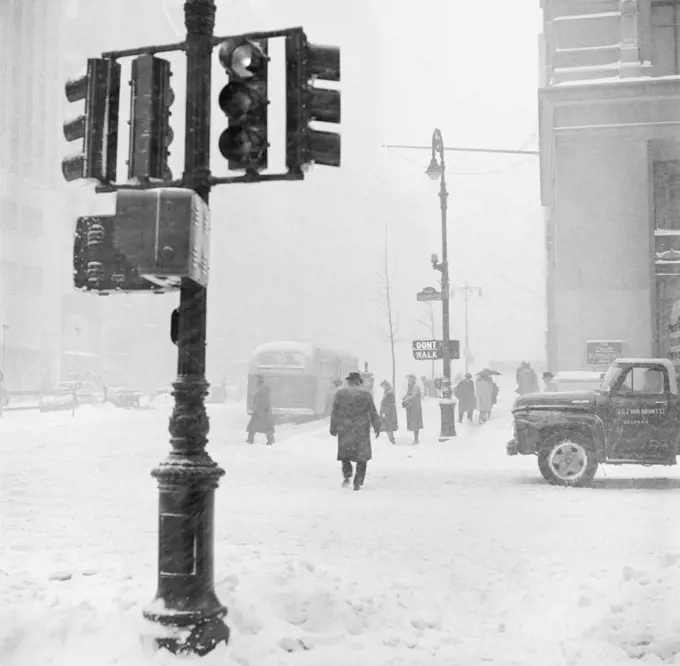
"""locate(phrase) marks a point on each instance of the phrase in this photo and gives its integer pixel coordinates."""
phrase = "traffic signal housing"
(244, 101)
(97, 126)
(150, 131)
(156, 238)
(306, 103)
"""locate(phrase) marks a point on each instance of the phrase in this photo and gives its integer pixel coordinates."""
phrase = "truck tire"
(567, 459)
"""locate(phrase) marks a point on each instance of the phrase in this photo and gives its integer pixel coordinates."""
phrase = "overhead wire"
(532, 137)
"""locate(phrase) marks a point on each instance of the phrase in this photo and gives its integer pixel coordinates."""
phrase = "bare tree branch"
(386, 282)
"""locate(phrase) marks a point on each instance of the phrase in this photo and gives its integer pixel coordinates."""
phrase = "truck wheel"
(567, 459)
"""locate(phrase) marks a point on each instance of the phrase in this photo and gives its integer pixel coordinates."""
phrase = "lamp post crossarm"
(458, 149)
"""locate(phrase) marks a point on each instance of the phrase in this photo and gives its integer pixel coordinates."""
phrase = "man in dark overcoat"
(353, 415)
(261, 419)
(527, 380)
(467, 400)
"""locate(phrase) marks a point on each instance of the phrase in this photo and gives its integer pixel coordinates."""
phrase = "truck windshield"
(611, 376)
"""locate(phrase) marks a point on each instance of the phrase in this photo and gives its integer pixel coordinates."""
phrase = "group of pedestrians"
(480, 394)
(527, 380)
(354, 414)
(412, 402)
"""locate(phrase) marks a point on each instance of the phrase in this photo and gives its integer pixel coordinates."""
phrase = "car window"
(268, 358)
(643, 381)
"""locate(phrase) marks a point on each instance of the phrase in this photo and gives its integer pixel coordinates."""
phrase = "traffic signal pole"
(187, 480)
(109, 259)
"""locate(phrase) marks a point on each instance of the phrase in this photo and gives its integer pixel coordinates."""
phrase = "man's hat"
(354, 377)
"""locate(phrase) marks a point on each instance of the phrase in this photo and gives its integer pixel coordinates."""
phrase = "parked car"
(633, 418)
(66, 393)
(121, 396)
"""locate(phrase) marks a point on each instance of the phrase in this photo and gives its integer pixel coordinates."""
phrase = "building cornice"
(626, 109)
(646, 88)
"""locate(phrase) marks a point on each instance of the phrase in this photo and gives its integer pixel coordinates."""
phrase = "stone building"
(609, 114)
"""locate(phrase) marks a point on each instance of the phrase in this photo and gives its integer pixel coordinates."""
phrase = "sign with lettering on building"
(603, 352)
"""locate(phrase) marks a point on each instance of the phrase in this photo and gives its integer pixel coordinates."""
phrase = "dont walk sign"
(427, 350)
(432, 350)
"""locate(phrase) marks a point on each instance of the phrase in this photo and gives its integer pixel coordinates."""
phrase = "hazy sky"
(303, 260)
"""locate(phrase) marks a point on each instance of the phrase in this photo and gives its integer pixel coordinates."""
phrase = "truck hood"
(559, 400)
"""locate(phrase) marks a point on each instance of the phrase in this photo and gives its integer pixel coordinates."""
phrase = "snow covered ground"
(452, 554)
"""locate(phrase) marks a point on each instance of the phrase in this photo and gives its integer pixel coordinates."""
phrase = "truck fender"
(545, 423)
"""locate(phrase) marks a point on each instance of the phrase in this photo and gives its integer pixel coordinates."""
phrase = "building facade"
(33, 202)
(49, 331)
(609, 124)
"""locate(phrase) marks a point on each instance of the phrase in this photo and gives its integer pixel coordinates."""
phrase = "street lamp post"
(438, 170)
(187, 479)
(467, 290)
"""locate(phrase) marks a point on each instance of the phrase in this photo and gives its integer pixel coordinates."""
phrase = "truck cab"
(632, 418)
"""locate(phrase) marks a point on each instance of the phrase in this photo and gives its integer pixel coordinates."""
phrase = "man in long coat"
(261, 419)
(353, 415)
(388, 411)
(413, 403)
(467, 399)
(527, 380)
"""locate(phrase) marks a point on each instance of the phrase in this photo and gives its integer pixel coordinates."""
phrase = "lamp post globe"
(434, 171)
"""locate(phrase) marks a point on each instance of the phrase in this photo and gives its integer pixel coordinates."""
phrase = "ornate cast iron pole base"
(186, 603)
(448, 411)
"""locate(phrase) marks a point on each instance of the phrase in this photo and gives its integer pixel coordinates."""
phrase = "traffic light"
(305, 103)
(97, 126)
(244, 101)
(150, 131)
(98, 265)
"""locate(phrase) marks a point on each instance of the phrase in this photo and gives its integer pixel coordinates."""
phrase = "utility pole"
(466, 291)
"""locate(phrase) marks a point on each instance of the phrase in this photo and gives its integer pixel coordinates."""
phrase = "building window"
(20, 279)
(31, 223)
(9, 214)
(666, 38)
(8, 277)
(667, 195)
(30, 278)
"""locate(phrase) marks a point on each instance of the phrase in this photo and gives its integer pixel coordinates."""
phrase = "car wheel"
(567, 459)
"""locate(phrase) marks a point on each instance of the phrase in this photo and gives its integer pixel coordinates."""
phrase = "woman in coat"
(412, 402)
(262, 419)
(467, 400)
(484, 388)
(388, 411)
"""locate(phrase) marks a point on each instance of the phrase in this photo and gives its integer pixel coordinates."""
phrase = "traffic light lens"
(243, 146)
(242, 59)
(238, 99)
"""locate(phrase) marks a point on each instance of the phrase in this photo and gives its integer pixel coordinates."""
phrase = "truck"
(632, 418)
